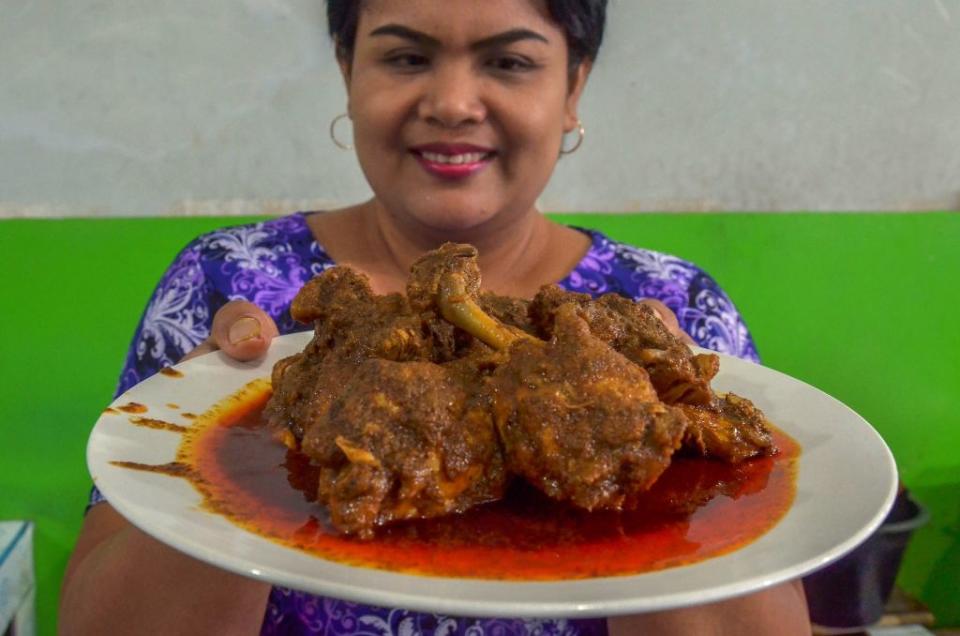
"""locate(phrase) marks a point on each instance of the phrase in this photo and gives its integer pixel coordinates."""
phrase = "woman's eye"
(409, 61)
(510, 64)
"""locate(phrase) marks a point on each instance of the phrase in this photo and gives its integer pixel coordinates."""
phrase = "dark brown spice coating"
(351, 320)
(719, 427)
(511, 311)
(395, 434)
(636, 332)
(425, 274)
(732, 430)
(407, 416)
(400, 441)
(581, 422)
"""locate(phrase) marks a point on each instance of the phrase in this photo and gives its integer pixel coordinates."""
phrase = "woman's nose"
(452, 97)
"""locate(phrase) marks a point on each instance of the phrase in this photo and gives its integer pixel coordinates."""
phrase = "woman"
(459, 110)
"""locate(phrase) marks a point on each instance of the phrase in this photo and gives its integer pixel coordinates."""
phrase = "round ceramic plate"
(845, 485)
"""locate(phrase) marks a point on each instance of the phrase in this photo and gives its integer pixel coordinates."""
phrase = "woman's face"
(459, 107)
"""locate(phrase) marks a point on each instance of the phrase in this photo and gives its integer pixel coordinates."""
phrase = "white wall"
(146, 107)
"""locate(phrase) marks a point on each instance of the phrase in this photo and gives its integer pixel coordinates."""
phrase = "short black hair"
(582, 22)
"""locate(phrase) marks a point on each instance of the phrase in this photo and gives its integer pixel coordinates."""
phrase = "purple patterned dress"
(267, 263)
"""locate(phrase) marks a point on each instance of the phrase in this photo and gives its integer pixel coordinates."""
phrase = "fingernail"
(657, 314)
(245, 328)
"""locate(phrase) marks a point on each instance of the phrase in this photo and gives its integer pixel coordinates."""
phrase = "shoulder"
(242, 261)
(253, 244)
(704, 309)
(265, 263)
(636, 272)
(240, 258)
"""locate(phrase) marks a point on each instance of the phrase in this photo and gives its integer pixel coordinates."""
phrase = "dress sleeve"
(177, 318)
(712, 320)
(702, 307)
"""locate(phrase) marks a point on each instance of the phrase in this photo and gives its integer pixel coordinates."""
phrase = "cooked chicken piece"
(581, 422)
(513, 312)
(394, 435)
(446, 282)
(718, 428)
(424, 404)
(731, 429)
(576, 419)
(426, 273)
(456, 301)
(636, 332)
(351, 324)
(402, 440)
(356, 323)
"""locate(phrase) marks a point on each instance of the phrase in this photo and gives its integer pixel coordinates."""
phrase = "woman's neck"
(516, 258)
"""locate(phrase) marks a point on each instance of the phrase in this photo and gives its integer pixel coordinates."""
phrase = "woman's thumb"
(242, 330)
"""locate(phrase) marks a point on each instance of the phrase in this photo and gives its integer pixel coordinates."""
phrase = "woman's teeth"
(467, 157)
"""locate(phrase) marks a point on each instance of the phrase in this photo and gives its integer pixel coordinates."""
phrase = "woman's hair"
(582, 22)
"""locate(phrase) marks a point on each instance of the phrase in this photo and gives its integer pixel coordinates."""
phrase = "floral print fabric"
(267, 263)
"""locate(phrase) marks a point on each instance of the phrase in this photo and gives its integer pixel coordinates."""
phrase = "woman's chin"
(453, 216)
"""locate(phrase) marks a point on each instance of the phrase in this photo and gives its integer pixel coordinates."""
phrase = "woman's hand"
(241, 330)
(668, 318)
(780, 610)
(121, 580)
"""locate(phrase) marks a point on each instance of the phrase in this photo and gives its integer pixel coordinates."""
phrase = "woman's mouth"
(453, 161)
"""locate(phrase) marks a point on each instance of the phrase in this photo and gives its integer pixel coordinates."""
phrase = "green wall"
(863, 306)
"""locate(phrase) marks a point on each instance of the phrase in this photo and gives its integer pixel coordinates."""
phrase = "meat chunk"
(731, 429)
(401, 441)
(354, 322)
(394, 434)
(636, 332)
(428, 272)
(427, 403)
(581, 422)
(718, 427)
(514, 312)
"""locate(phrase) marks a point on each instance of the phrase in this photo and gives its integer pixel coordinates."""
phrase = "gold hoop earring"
(333, 132)
(582, 133)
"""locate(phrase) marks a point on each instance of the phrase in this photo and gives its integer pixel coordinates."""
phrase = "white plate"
(845, 486)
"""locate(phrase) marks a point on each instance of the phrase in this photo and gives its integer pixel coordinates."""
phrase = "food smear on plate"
(698, 509)
(163, 425)
(454, 432)
(132, 407)
(430, 402)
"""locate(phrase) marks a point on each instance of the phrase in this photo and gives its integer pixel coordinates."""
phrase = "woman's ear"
(578, 81)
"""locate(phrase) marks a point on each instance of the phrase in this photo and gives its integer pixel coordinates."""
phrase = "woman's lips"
(449, 161)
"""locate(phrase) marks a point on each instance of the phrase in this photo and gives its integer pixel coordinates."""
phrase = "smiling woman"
(459, 111)
(486, 94)
(458, 118)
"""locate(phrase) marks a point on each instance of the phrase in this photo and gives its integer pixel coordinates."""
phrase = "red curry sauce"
(696, 510)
